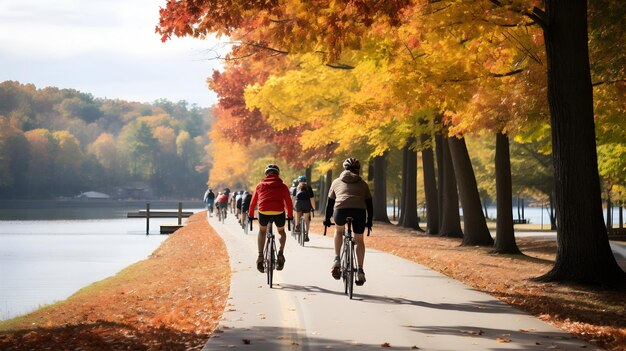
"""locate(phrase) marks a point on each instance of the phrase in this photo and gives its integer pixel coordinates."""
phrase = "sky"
(107, 48)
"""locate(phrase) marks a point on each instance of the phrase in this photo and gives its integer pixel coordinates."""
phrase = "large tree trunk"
(505, 235)
(380, 188)
(409, 179)
(475, 231)
(450, 219)
(583, 251)
(430, 188)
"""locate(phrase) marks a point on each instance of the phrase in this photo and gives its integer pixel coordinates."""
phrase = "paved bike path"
(402, 305)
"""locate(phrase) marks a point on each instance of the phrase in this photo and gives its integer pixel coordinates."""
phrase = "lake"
(51, 249)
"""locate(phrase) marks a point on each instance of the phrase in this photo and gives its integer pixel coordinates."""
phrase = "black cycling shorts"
(358, 218)
(278, 219)
(303, 206)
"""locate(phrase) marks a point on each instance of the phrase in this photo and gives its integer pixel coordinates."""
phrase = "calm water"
(49, 250)
(535, 215)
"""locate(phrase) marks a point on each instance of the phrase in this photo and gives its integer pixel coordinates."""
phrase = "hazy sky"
(104, 47)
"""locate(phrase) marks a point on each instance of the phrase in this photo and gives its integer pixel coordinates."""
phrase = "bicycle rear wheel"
(304, 230)
(270, 264)
(351, 271)
(345, 266)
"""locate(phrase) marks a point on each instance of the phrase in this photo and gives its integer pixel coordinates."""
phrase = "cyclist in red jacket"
(272, 196)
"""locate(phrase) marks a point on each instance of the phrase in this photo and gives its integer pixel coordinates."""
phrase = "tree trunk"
(552, 212)
(475, 231)
(324, 188)
(583, 251)
(450, 219)
(505, 234)
(380, 189)
(485, 209)
(621, 214)
(308, 173)
(409, 179)
(404, 184)
(609, 211)
(430, 188)
(439, 148)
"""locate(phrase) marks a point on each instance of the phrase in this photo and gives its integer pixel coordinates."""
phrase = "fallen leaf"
(473, 332)
(246, 341)
(385, 344)
(503, 340)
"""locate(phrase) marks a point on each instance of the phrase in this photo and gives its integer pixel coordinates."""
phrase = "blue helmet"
(302, 179)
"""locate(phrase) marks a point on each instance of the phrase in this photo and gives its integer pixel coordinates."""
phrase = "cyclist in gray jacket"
(350, 196)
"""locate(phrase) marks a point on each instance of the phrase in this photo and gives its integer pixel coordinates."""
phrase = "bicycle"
(348, 265)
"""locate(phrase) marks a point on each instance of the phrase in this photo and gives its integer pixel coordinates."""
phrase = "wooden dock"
(165, 228)
(158, 214)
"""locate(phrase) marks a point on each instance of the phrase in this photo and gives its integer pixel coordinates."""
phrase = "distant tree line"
(61, 142)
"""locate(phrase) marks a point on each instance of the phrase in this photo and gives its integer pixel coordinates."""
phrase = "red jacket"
(222, 198)
(272, 195)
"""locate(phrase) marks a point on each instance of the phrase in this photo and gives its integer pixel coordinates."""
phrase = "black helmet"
(352, 164)
(272, 168)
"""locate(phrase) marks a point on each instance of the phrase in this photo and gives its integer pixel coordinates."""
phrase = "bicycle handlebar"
(369, 230)
(325, 227)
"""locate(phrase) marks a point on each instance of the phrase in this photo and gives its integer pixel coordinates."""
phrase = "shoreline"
(46, 261)
(173, 300)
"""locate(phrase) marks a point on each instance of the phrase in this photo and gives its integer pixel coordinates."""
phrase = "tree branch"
(339, 66)
(602, 82)
(507, 74)
(537, 15)
(265, 47)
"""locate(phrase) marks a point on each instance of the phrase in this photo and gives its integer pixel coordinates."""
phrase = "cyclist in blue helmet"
(304, 203)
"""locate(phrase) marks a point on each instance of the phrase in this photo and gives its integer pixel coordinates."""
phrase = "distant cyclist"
(272, 197)
(349, 196)
(304, 204)
(246, 198)
(209, 199)
(221, 202)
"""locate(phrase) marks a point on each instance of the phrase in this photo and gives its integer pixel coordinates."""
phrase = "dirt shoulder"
(173, 300)
(596, 316)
